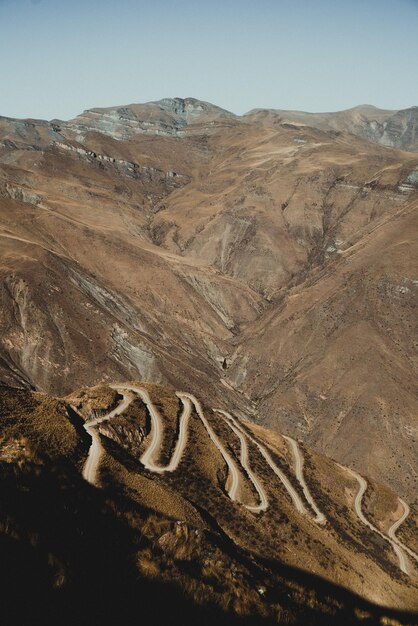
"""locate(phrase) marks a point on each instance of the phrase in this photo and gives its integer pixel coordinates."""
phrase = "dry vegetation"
(381, 505)
(93, 401)
(336, 552)
(408, 531)
(183, 532)
(42, 420)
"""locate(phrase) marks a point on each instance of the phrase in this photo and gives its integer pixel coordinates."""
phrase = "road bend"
(297, 455)
(397, 548)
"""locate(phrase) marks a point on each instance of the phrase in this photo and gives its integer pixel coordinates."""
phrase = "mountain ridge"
(389, 127)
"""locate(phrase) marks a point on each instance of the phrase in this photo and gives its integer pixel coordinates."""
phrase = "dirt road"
(96, 450)
(320, 517)
(397, 548)
(244, 460)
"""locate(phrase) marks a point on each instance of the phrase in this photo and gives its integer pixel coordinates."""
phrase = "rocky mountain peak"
(181, 106)
(169, 117)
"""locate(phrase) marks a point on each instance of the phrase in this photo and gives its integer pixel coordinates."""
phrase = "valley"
(207, 348)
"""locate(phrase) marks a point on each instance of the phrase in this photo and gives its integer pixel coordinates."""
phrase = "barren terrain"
(264, 261)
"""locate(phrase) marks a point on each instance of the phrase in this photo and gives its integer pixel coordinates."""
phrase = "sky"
(60, 57)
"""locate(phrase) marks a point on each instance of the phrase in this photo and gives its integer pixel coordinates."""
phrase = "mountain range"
(262, 266)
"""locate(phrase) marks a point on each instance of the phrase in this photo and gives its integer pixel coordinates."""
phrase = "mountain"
(170, 117)
(395, 129)
(274, 264)
(264, 264)
(192, 511)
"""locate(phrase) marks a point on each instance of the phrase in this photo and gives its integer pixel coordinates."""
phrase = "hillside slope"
(186, 504)
(395, 129)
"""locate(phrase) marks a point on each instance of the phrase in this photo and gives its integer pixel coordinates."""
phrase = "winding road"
(233, 485)
(297, 501)
(398, 547)
(244, 460)
(233, 474)
(96, 450)
(149, 458)
(392, 530)
(157, 429)
(320, 517)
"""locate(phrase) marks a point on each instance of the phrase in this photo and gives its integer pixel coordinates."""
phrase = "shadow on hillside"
(67, 558)
(54, 525)
(261, 567)
(327, 594)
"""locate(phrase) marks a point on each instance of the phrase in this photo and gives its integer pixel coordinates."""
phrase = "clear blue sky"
(59, 57)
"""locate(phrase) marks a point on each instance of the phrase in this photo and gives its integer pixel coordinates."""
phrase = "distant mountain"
(167, 117)
(395, 129)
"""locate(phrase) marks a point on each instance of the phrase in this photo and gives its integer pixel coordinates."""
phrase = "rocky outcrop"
(21, 194)
(128, 168)
(398, 131)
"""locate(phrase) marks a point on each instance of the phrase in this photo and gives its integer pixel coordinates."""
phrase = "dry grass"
(381, 505)
(187, 531)
(39, 418)
(153, 494)
(182, 553)
(147, 564)
(16, 450)
(93, 401)
(407, 532)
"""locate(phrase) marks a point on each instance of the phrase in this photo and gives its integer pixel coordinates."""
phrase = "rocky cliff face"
(399, 131)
